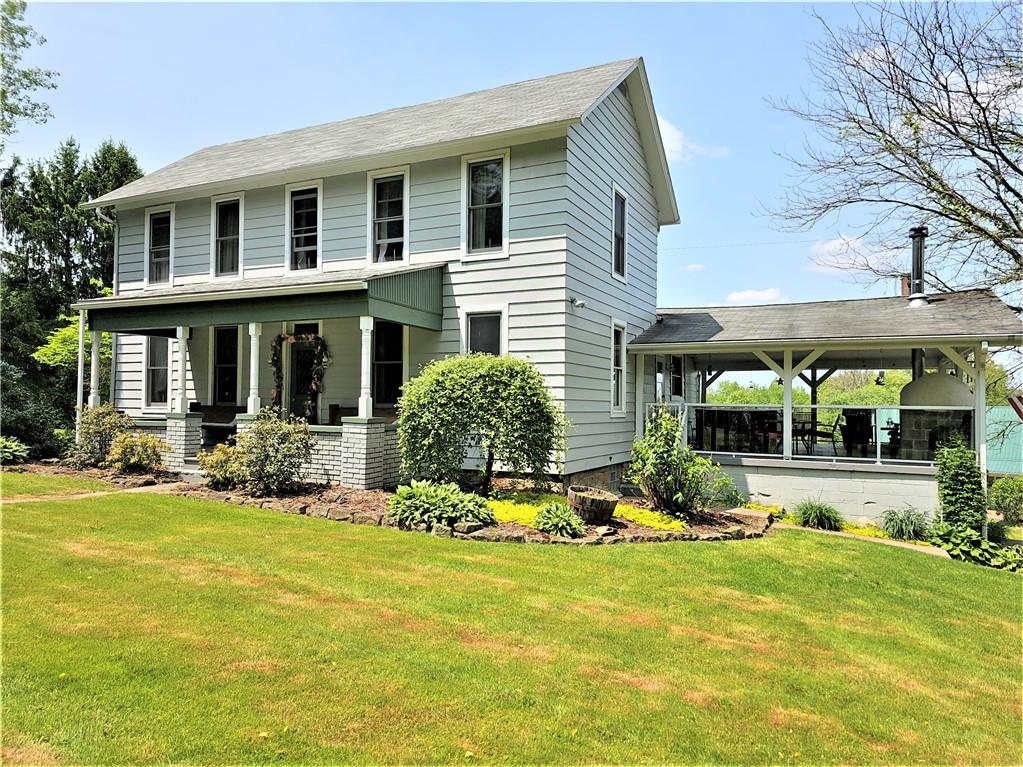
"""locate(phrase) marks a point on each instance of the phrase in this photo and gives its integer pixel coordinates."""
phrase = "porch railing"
(835, 433)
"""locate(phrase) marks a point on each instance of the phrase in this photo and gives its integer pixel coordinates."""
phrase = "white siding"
(605, 152)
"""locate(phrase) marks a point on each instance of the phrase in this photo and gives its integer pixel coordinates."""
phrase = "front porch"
(195, 367)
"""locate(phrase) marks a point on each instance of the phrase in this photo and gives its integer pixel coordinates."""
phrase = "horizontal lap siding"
(344, 218)
(192, 238)
(435, 205)
(605, 151)
(130, 257)
(264, 228)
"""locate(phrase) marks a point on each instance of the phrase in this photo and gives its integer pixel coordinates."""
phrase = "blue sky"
(169, 79)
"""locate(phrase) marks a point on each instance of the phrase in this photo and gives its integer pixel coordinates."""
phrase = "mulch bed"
(369, 507)
(55, 468)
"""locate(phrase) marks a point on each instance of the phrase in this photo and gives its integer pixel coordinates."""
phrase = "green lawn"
(14, 484)
(148, 628)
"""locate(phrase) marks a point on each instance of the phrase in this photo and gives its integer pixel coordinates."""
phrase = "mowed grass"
(145, 628)
(15, 484)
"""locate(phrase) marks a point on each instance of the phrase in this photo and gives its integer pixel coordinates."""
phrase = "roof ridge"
(389, 110)
(814, 303)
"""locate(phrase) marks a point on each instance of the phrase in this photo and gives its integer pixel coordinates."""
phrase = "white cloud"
(765, 296)
(827, 255)
(679, 148)
(692, 268)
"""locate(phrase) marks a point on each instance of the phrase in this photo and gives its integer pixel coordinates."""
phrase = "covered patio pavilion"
(862, 459)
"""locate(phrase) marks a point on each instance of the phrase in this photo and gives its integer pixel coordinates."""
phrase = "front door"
(302, 395)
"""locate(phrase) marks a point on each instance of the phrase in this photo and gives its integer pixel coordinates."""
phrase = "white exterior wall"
(605, 153)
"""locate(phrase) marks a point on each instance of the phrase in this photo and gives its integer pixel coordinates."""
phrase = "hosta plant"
(13, 450)
(965, 543)
(434, 503)
(559, 519)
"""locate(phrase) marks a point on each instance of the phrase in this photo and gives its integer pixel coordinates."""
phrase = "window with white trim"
(677, 383)
(388, 219)
(483, 333)
(618, 367)
(159, 239)
(227, 242)
(304, 234)
(157, 371)
(486, 202)
(618, 236)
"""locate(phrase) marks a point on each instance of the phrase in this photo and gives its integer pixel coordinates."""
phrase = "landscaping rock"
(605, 531)
(339, 514)
(422, 527)
(366, 518)
(442, 531)
(317, 510)
(467, 527)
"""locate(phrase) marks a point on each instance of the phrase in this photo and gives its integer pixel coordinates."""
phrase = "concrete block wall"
(860, 493)
(184, 435)
(325, 466)
(156, 427)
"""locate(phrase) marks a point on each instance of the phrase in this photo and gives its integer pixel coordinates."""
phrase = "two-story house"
(518, 220)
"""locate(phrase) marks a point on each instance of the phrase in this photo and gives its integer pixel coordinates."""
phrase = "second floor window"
(618, 238)
(486, 205)
(388, 219)
(304, 230)
(228, 238)
(159, 247)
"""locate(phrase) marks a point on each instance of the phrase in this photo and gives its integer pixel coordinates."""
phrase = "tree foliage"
(18, 83)
(960, 485)
(501, 403)
(918, 116)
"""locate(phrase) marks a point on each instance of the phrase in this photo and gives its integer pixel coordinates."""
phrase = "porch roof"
(962, 317)
(408, 294)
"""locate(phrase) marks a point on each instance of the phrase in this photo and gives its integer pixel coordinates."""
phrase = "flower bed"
(57, 469)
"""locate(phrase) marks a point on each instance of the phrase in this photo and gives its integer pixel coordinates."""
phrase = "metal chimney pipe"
(917, 297)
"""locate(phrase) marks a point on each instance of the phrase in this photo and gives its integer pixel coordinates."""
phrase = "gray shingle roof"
(528, 104)
(969, 313)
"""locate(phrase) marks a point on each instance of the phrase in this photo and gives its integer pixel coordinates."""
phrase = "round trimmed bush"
(1006, 496)
(559, 519)
(224, 467)
(136, 452)
(823, 516)
(97, 429)
(274, 449)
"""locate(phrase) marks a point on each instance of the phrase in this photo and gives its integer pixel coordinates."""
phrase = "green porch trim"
(408, 298)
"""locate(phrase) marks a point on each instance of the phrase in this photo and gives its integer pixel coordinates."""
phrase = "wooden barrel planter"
(595, 506)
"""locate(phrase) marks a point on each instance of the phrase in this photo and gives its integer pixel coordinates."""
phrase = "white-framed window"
(676, 374)
(388, 213)
(485, 197)
(618, 371)
(227, 234)
(484, 332)
(619, 229)
(158, 373)
(303, 223)
(159, 245)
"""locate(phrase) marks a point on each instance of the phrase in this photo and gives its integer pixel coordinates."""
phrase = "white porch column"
(181, 393)
(80, 379)
(787, 407)
(366, 371)
(94, 346)
(640, 405)
(252, 404)
(980, 410)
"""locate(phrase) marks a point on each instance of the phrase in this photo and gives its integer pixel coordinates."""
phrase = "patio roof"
(963, 317)
(410, 295)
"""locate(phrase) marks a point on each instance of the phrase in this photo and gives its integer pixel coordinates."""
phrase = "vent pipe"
(917, 297)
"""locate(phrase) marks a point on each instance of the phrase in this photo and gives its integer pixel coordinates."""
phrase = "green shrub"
(12, 450)
(433, 503)
(136, 452)
(960, 486)
(501, 402)
(27, 414)
(274, 449)
(965, 543)
(906, 524)
(1006, 496)
(823, 516)
(559, 519)
(680, 482)
(996, 530)
(98, 428)
(224, 467)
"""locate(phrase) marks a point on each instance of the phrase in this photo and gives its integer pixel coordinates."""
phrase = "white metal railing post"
(787, 404)
(877, 433)
(640, 386)
(684, 424)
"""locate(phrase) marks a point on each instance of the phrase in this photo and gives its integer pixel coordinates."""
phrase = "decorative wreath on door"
(321, 359)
